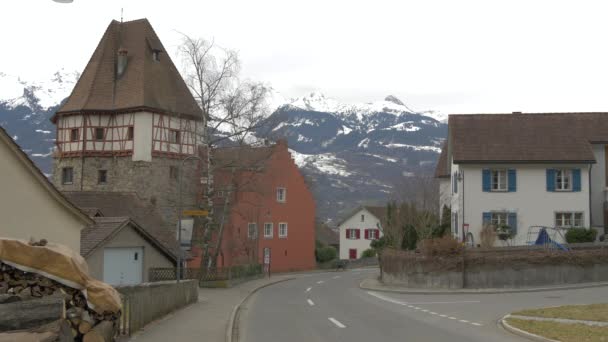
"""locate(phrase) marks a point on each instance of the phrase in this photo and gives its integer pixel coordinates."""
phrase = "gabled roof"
(247, 157)
(539, 137)
(129, 205)
(441, 170)
(378, 212)
(146, 84)
(106, 228)
(42, 180)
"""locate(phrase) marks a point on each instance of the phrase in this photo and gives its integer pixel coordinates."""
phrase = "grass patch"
(562, 331)
(593, 312)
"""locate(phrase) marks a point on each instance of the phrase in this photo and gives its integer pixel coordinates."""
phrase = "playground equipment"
(551, 238)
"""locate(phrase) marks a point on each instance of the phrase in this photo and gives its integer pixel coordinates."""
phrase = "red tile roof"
(145, 84)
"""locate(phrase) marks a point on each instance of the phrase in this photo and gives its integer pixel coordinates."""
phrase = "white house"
(359, 229)
(524, 170)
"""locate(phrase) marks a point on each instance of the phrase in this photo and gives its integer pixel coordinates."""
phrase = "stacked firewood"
(29, 300)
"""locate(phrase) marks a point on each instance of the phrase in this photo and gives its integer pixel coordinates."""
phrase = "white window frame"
(283, 233)
(281, 195)
(64, 174)
(502, 183)
(268, 235)
(499, 218)
(372, 234)
(252, 234)
(562, 175)
(572, 218)
(351, 233)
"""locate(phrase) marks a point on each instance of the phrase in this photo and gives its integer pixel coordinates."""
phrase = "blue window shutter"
(486, 180)
(550, 179)
(576, 179)
(512, 180)
(486, 218)
(512, 222)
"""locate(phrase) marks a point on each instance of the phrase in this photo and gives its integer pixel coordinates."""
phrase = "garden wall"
(507, 267)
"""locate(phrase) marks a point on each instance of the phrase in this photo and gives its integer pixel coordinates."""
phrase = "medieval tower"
(129, 122)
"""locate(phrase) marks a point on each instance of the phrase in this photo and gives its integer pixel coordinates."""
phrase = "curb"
(522, 333)
(479, 291)
(235, 311)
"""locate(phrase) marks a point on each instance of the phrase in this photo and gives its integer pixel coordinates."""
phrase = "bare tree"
(231, 110)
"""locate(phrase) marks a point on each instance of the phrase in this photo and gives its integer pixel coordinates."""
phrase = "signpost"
(267, 260)
(195, 213)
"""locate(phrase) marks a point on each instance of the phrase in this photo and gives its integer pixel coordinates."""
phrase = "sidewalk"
(373, 284)
(206, 320)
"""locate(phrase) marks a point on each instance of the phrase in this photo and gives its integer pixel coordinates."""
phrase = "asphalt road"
(331, 307)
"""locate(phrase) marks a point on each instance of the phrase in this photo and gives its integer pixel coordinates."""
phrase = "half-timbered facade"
(129, 122)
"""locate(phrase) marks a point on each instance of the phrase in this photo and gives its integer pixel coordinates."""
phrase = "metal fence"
(218, 274)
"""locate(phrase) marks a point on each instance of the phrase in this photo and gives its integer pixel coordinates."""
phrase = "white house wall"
(532, 203)
(143, 137)
(354, 222)
(598, 186)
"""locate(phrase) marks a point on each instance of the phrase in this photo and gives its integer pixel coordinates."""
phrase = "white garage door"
(123, 266)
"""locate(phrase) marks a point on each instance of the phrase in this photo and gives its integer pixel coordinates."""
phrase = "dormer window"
(156, 56)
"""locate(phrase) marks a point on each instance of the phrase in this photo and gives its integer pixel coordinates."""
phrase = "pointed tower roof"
(145, 84)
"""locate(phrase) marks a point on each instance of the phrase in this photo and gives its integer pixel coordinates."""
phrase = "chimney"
(121, 63)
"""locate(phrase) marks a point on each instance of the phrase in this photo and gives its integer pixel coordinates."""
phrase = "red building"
(267, 204)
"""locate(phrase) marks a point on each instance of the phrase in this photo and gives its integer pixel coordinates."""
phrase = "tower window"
(74, 134)
(102, 177)
(130, 133)
(99, 133)
(174, 136)
(156, 55)
(67, 175)
(173, 172)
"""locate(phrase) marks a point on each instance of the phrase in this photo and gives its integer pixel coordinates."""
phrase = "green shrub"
(576, 235)
(410, 238)
(368, 253)
(325, 254)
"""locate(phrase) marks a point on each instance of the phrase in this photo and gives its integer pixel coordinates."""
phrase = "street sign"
(195, 213)
(266, 256)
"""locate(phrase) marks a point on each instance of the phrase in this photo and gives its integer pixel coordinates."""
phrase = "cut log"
(29, 314)
(7, 298)
(65, 332)
(102, 332)
(86, 324)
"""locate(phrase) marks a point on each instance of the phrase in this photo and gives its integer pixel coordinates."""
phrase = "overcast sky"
(453, 56)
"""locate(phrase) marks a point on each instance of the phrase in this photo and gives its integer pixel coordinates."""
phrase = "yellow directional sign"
(195, 213)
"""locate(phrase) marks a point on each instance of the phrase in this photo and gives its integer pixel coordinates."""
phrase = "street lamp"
(179, 217)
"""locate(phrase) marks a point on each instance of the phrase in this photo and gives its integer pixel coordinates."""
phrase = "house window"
(173, 172)
(130, 133)
(352, 234)
(563, 180)
(499, 180)
(220, 194)
(268, 231)
(372, 234)
(99, 133)
(499, 219)
(252, 230)
(281, 195)
(569, 219)
(362, 218)
(282, 230)
(174, 136)
(102, 176)
(67, 175)
(74, 134)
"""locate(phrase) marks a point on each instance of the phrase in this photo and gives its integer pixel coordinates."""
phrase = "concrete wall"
(27, 208)
(128, 237)
(147, 302)
(531, 201)
(598, 185)
(354, 222)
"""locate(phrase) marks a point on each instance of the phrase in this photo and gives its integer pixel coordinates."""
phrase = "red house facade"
(264, 202)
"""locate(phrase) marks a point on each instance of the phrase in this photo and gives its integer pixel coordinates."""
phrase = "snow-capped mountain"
(356, 153)
(352, 153)
(26, 107)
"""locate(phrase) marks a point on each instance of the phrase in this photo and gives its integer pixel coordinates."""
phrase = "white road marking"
(463, 321)
(336, 322)
(388, 299)
(320, 282)
(443, 316)
(310, 302)
(416, 308)
(477, 324)
(452, 317)
(425, 310)
(456, 302)
(308, 289)
(336, 277)
(432, 313)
